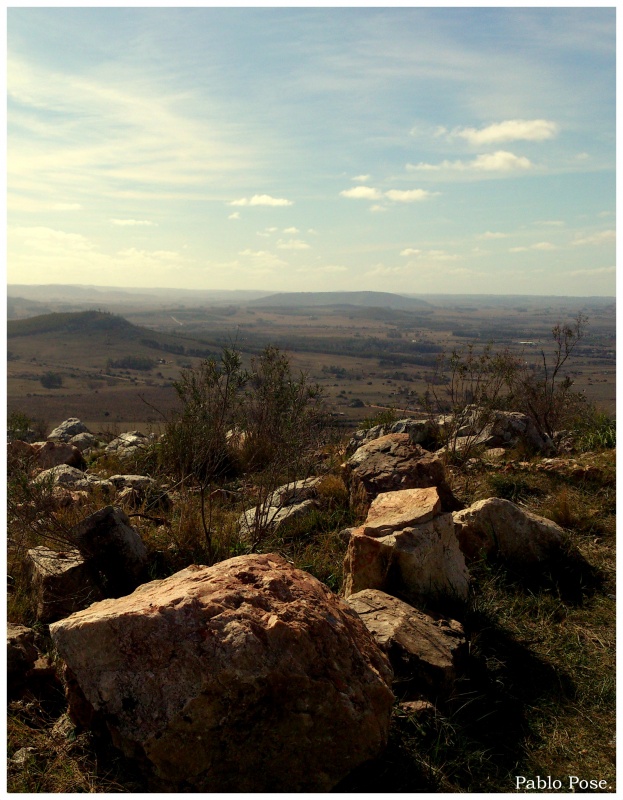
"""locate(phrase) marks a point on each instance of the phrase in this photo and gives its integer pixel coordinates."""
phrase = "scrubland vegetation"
(537, 696)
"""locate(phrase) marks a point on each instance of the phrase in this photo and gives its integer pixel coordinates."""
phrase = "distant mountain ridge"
(362, 299)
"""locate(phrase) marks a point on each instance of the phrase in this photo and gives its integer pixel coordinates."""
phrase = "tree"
(541, 390)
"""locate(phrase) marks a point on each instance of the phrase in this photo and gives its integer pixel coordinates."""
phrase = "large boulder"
(500, 528)
(53, 454)
(425, 651)
(420, 432)
(130, 443)
(62, 583)
(67, 429)
(72, 478)
(113, 548)
(391, 463)
(413, 554)
(248, 676)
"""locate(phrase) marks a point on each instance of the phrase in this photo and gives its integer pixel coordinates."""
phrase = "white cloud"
(536, 246)
(291, 230)
(551, 223)
(441, 255)
(409, 251)
(312, 231)
(361, 178)
(407, 195)
(261, 200)
(376, 208)
(492, 235)
(535, 130)
(361, 193)
(235, 215)
(500, 161)
(49, 239)
(603, 237)
(132, 222)
(263, 259)
(292, 244)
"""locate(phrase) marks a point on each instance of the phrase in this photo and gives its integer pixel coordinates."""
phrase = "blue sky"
(414, 150)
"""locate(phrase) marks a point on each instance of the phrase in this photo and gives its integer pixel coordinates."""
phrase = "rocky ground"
(407, 619)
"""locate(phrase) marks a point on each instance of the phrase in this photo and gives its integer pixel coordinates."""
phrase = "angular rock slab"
(258, 521)
(247, 676)
(499, 527)
(421, 648)
(422, 564)
(62, 583)
(391, 511)
(391, 463)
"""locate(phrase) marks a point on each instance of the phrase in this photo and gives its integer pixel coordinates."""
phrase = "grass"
(537, 695)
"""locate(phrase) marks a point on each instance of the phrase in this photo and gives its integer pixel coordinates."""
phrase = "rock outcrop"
(499, 527)
(426, 652)
(420, 562)
(127, 444)
(72, 478)
(391, 463)
(114, 550)
(66, 430)
(248, 676)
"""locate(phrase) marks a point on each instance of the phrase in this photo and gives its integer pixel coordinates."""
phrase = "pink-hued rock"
(248, 676)
(422, 563)
(55, 454)
(391, 463)
(392, 511)
(17, 450)
(499, 527)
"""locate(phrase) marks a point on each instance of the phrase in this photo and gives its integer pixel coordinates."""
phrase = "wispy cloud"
(603, 237)
(534, 130)
(361, 178)
(544, 246)
(597, 271)
(407, 195)
(132, 222)
(261, 200)
(410, 251)
(293, 244)
(492, 235)
(234, 215)
(500, 161)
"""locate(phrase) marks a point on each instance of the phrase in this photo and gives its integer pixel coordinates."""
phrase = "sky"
(410, 150)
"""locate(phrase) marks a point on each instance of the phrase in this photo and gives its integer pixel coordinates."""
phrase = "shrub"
(262, 420)
(51, 380)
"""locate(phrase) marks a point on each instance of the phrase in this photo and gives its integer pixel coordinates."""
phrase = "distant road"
(176, 320)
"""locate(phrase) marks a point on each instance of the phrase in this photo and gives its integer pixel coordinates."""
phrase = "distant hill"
(100, 329)
(348, 299)
(80, 323)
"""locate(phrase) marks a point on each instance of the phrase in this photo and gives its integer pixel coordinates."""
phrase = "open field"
(363, 357)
